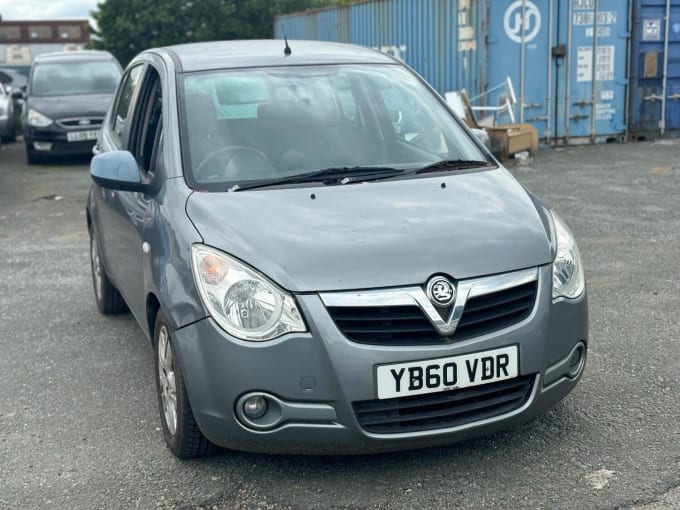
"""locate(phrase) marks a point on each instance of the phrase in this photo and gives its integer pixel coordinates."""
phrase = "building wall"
(22, 41)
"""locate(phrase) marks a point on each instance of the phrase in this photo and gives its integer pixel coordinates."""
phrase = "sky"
(46, 9)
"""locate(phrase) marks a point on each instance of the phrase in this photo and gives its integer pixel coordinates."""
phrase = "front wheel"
(180, 430)
(31, 157)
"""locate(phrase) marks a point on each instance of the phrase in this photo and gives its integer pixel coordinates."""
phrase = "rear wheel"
(180, 430)
(109, 301)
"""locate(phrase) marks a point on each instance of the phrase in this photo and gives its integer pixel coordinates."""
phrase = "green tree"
(126, 27)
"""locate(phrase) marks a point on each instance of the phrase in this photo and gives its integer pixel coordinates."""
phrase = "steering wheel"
(218, 164)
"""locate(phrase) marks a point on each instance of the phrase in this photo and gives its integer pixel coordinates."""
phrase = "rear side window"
(146, 133)
(127, 92)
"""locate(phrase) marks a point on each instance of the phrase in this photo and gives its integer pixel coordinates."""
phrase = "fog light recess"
(259, 411)
(42, 146)
(577, 360)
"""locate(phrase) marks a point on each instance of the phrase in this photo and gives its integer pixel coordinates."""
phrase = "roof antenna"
(286, 51)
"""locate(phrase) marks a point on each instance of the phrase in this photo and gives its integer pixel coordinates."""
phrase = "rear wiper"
(341, 175)
(452, 164)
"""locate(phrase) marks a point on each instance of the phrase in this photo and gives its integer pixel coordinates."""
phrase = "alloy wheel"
(166, 377)
(96, 268)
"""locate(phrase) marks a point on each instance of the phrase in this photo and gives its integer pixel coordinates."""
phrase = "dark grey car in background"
(67, 96)
(323, 256)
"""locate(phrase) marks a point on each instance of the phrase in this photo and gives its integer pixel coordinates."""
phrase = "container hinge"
(674, 97)
(653, 97)
(578, 117)
(532, 105)
(538, 118)
(583, 103)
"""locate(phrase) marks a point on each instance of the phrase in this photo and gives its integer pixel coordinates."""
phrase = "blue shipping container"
(655, 67)
(571, 84)
(567, 59)
(438, 38)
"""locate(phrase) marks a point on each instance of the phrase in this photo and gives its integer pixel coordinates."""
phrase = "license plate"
(441, 374)
(81, 136)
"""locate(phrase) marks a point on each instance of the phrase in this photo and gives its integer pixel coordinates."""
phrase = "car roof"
(71, 56)
(267, 53)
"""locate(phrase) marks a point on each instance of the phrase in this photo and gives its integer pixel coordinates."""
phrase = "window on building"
(10, 32)
(70, 32)
(40, 32)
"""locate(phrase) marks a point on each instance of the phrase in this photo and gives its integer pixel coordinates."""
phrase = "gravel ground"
(79, 427)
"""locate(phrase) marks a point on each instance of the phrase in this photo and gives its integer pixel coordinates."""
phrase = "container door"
(596, 38)
(519, 47)
(655, 67)
(567, 60)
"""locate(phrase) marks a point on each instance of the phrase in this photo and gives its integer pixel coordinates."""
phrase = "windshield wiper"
(452, 164)
(340, 175)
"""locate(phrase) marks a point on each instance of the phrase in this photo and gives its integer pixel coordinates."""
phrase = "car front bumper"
(56, 136)
(320, 374)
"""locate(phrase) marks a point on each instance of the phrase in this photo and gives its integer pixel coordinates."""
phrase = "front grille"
(94, 122)
(384, 325)
(408, 325)
(498, 310)
(443, 410)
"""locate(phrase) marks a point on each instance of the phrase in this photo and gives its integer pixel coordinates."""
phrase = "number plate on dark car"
(81, 136)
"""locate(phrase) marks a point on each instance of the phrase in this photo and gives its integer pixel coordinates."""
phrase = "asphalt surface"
(79, 426)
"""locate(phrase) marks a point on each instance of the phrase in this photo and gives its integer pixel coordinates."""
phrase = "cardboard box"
(513, 138)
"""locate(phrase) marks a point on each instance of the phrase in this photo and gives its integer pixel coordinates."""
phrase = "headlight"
(568, 278)
(243, 302)
(37, 119)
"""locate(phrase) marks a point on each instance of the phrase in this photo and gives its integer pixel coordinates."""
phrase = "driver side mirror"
(117, 170)
(17, 94)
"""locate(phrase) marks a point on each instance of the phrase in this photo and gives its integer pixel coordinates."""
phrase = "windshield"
(74, 78)
(259, 124)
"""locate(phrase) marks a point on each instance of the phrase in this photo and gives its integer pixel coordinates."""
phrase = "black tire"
(109, 301)
(31, 157)
(186, 441)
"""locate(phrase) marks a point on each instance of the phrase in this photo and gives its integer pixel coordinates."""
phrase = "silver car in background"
(323, 256)
(7, 118)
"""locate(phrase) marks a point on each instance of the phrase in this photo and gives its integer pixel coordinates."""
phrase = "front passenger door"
(134, 211)
(114, 136)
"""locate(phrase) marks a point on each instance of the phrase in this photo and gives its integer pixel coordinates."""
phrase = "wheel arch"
(153, 305)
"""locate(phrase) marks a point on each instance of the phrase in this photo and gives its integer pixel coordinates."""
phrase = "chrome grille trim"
(74, 122)
(410, 296)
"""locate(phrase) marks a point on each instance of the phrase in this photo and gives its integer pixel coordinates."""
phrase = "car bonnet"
(61, 107)
(378, 234)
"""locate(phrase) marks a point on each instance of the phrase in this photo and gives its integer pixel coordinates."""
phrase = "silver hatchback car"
(324, 257)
